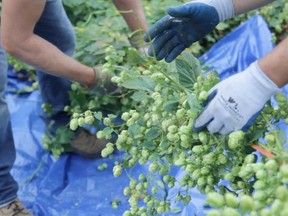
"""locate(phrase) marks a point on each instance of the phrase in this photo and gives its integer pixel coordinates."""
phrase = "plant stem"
(173, 81)
(274, 132)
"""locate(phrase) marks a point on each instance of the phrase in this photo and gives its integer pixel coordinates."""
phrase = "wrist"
(263, 82)
(224, 8)
(92, 81)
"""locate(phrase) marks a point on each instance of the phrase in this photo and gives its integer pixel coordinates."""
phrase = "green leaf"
(222, 26)
(153, 133)
(25, 89)
(188, 69)
(149, 145)
(257, 134)
(177, 210)
(171, 105)
(154, 156)
(79, 98)
(164, 144)
(282, 137)
(186, 77)
(134, 57)
(134, 130)
(140, 83)
(107, 131)
(141, 122)
(194, 104)
(92, 105)
(64, 135)
(161, 184)
(193, 62)
(139, 96)
(98, 115)
(112, 116)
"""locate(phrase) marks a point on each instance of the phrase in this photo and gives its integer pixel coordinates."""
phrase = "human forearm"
(45, 56)
(275, 64)
(132, 13)
(243, 6)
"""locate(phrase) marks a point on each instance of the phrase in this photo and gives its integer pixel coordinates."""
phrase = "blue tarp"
(73, 186)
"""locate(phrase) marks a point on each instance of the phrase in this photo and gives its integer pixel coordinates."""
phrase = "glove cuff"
(137, 41)
(263, 81)
(102, 83)
(225, 8)
(96, 80)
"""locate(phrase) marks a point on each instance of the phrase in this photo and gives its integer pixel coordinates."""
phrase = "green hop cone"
(214, 212)
(282, 193)
(89, 120)
(107, 121)
(203, 96)
(81, 121)
(281, 98)
(153, 167)
(284, 171)
(260, 196)
(180, 162)
(233, 143)
(214, 199)
(173, 129)
(203, 137)
(251, 158)
(247, 203)
(270, 138)
(154, 190)
(227, 211)
(271, 165)
(160, 209)
(231, 200)
(198, 149)
(260, 185)
(73, 124)
(117, 170)
(125, 116)
(75, 115)
(88, 113)
(261, 174)
(180, 113)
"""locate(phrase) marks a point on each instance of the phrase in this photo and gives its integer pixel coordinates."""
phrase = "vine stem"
(173, 81)
(166, 75)
(127, 173)
(30, 178)
(273, 131)
(91, 16)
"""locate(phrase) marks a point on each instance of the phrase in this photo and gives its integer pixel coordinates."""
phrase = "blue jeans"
(55, 27)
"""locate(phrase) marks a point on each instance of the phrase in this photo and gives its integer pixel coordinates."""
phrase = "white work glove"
(235, 103)
(137, 41)
(103, 83)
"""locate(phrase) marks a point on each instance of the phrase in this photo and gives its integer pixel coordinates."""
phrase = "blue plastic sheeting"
(74, 186)
(237, 50)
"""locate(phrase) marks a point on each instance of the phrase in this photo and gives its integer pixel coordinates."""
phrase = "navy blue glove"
(183, 26)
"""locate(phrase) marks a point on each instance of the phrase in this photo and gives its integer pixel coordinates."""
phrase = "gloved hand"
(103, 83)
(184, 25)
(234, 103)
(137, 41)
